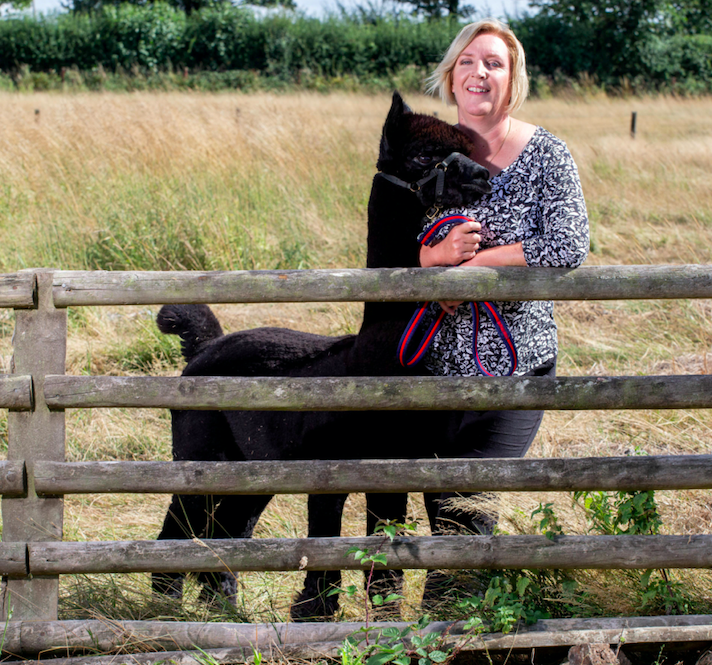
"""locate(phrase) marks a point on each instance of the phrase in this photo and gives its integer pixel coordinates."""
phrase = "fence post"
(39, 348)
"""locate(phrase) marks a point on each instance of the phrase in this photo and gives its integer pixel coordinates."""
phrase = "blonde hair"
(440, 81)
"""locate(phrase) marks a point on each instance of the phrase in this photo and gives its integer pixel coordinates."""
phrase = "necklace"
(501, 145)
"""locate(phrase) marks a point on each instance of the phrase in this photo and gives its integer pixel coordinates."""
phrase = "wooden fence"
(35, 476)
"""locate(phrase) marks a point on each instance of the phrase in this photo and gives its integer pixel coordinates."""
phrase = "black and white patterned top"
(536, 200)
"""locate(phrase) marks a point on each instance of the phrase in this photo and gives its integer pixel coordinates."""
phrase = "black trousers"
(483, 434)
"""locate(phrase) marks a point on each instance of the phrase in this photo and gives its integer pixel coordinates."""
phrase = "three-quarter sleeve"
(562, 240)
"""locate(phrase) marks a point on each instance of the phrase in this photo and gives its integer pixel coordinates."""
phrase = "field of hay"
(231, 181)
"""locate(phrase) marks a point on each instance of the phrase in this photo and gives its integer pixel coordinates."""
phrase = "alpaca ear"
(392, 131)
(398, 101)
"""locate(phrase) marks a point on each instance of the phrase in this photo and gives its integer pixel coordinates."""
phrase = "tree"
(286, 4)
(15, 4)
(690, 17)
(437, 9)
(611, 32)
(188, 6)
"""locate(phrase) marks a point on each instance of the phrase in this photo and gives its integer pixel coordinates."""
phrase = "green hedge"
(226, 46)
(681, 62)
(218, 39)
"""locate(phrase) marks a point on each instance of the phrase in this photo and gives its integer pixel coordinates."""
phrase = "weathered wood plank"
(408, 284)
(521, 640)
(31, 638)
(12, 479)
(13, 559)
(670, 472)
(40, 342)
(380, 393)
(271, 653)
(16, 392)
(463, 552)
(18, 290)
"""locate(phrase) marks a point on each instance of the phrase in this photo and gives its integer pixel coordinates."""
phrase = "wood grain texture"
(671, 472)
(13, 481)
(391, 284)
(16, 392)
(32, 638)
(13, 559)
(18, 290)
(39, 348)
(449, 552)
(430, 393)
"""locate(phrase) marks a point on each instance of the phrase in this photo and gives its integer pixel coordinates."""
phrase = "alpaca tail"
(194, 324)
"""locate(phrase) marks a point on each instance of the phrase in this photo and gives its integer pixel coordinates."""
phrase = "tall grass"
(231, 181)
(182, 182)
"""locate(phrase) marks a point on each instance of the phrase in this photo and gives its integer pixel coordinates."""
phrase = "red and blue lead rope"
(426, 238)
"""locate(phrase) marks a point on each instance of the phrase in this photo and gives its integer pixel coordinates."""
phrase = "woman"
(534, 216)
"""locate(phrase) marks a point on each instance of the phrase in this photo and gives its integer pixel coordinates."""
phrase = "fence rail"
(669, 472)
(71, 288)
(18, 290)
(16, 392)
(379, 394)
(305, 640)
(424, 552)
(36, 477)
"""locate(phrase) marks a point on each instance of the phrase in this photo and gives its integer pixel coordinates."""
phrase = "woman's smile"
(481, 79)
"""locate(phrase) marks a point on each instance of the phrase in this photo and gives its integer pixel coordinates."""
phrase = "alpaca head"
(413, 144)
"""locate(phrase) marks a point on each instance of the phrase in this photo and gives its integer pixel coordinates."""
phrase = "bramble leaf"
(381, 658)
(380, 558)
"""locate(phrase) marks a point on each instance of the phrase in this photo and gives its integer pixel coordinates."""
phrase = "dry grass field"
(229, 181)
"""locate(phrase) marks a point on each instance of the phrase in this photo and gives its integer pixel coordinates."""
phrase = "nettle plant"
(512, 597)
(509, 599)
(378, 646)
(625, 513)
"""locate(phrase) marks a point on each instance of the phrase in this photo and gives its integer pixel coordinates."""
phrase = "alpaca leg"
(232, 517)
(186, 518)
(313, 601)
(202, 436)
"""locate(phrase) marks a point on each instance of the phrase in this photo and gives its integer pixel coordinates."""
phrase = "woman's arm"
(563, 238)
(564, 235)
(502, 255)
(460, 244)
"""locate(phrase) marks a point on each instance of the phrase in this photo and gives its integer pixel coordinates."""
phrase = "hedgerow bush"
(681, 61)
(218, 39)
(156, 46)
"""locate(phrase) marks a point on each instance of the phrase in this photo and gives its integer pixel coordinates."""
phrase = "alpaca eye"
(424, 160)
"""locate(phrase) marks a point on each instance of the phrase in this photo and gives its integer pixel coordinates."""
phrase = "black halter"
(438, 171)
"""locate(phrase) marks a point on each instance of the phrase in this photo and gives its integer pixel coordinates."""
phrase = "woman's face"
(481, 78)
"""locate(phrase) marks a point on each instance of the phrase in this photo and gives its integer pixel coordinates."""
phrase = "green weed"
(625, 513)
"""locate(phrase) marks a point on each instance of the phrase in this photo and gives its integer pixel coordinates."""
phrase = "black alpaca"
(411, 145)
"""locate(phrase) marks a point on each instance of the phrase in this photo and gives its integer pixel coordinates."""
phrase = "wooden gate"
(35, 476)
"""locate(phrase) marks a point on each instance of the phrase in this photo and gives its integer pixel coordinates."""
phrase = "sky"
(317, 7)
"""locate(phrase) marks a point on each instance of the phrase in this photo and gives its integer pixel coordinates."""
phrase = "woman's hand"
(460, 244)
(502, 255)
